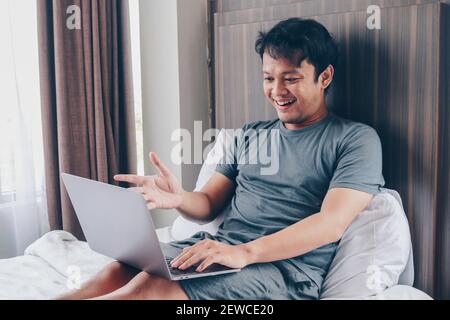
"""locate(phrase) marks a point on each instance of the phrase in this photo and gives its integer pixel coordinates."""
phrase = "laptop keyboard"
(179, 272)
(191, 270)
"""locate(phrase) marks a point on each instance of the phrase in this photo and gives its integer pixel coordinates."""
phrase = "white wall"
(193, 73)
(174, 81)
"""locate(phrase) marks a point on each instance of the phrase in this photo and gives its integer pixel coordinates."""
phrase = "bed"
(374, 259)
(58, 262)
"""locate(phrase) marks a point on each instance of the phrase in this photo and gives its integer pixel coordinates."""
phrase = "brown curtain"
(87, 98)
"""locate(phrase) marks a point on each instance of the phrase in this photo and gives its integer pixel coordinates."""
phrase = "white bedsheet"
(50, 267)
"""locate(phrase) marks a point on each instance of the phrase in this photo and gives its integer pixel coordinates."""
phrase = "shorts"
(264, 281)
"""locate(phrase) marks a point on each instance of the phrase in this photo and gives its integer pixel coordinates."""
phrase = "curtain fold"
(87, 97)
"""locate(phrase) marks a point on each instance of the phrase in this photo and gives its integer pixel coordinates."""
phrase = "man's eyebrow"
(285, 72)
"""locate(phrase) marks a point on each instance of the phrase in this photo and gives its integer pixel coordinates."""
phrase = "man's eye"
(291, 79)
(268, 79)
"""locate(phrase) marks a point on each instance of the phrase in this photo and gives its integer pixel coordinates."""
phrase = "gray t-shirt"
(331, 153)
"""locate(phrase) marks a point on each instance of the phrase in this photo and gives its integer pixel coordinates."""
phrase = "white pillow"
(373, 252)
(183, 228)
(401, 292)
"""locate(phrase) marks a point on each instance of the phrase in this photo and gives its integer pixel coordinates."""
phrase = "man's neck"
(318, 116)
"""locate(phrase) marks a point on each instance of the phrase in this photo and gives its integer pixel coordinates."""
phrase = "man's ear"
(326, 77)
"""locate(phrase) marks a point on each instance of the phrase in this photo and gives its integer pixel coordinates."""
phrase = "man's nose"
(279, 89)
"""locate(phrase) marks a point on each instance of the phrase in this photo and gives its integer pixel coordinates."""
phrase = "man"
(282, 229)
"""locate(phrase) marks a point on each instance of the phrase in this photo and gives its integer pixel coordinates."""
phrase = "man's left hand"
(206, 252)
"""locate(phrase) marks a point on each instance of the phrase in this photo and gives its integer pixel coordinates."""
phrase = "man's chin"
(291, 116)
(289, 119)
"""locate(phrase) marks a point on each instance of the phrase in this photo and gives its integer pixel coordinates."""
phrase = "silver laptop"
(117, 224)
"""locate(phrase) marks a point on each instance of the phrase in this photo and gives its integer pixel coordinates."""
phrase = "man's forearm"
(339, 208)
(195, 206)
(304, 236)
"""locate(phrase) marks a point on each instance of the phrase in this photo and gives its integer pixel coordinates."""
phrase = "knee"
(144, 286)
(111, 271)
(140, 284)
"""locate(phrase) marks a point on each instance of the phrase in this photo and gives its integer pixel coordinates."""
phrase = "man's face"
(292, 91)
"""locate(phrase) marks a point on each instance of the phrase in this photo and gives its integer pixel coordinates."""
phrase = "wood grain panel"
(443, 210)
(308, 8)
(238, 5)
(235, 5)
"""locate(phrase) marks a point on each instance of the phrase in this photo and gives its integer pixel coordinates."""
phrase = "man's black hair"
(296, 40)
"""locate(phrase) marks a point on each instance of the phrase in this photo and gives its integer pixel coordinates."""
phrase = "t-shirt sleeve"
(359, 162)
(228, 164)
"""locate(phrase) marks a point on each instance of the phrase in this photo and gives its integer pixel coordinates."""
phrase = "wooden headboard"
(395, 79)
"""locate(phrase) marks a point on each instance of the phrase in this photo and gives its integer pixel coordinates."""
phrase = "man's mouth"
(285, 103)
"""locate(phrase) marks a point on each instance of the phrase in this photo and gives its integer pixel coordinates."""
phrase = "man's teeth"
(285, 103)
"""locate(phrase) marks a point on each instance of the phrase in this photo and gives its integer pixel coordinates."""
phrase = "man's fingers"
(189, 251)
(130, 178)
(205, 264)
(152, 202)
(159, 165)
(194, 259)
(161, 183)
(137, 189)
(183, 256)
(149, 197)
(151, 205)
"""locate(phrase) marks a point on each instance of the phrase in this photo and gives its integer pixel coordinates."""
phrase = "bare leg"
(112, 277)
(147, 287)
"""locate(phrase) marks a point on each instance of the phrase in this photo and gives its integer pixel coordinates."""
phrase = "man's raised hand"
(161, 191)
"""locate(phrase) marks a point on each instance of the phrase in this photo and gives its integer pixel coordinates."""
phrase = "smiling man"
(281, 229)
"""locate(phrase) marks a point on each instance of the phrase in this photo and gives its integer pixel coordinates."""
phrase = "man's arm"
(339, 208)
(164, 191)
(209, 202)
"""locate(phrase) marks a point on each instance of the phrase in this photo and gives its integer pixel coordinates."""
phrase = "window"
(136, 57)
(20, 118)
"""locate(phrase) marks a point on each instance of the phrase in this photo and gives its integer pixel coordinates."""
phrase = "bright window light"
(20, 114)
(136, 56)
